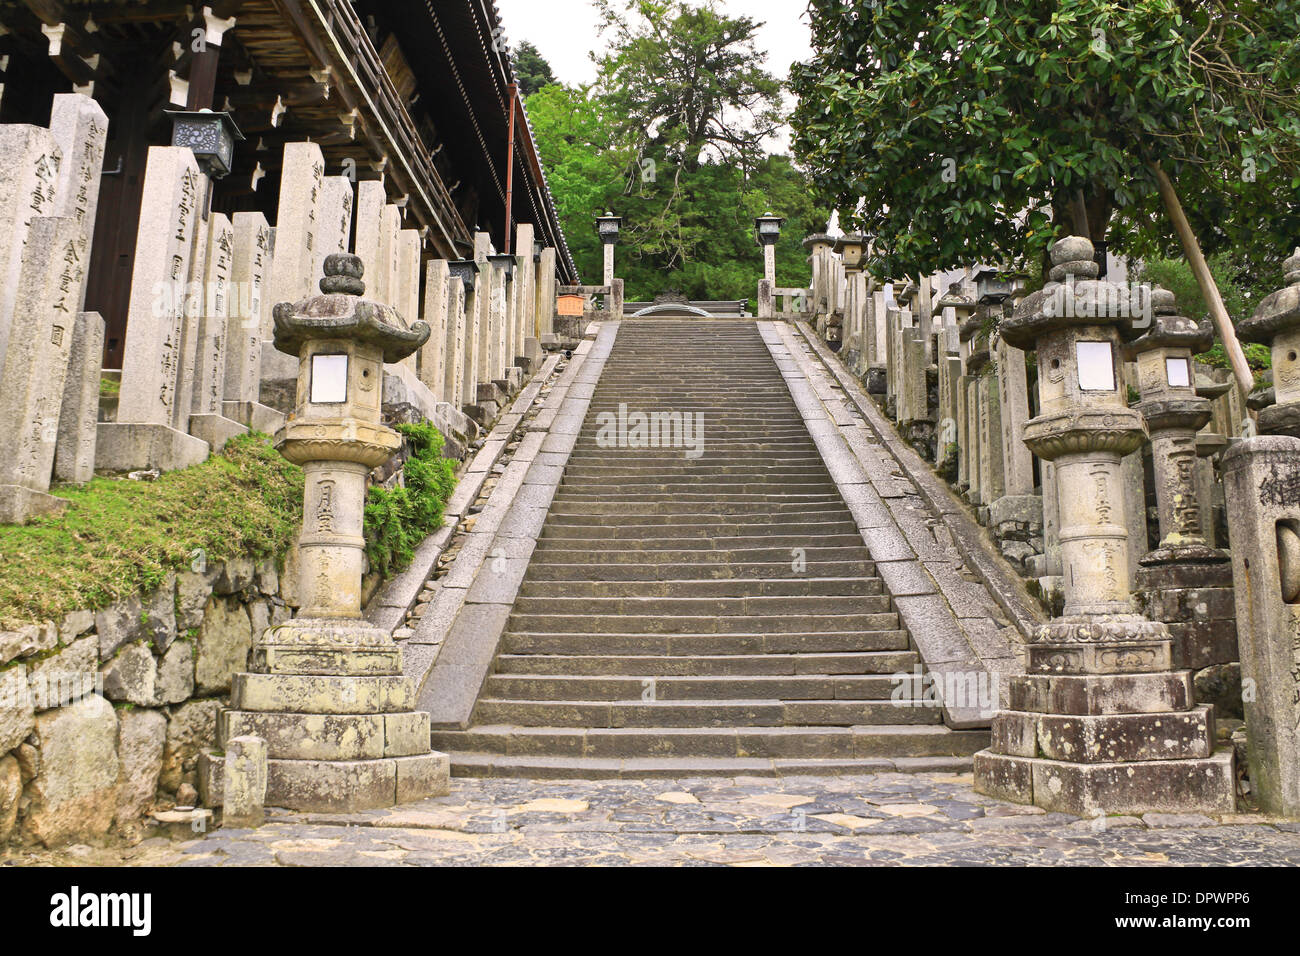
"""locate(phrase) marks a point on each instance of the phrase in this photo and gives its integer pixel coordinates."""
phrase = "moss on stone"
(121, 536)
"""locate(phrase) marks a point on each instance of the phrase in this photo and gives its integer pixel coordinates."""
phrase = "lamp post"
(607, 227)
(767, 230)
(375, 751)
(1100, 723)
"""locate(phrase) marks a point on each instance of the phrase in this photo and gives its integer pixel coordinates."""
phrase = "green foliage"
(398, 519)
(1029, 107)
(109, 388)
(119, 536)
(670, 137)
(531, 69)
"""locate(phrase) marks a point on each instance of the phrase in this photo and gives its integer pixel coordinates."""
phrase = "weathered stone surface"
(27, 640)
(175, 683)
(131, 676)
(150, 617)
(191, 729)
(141, 737)
(236, 574)
(244, 782)
(333, 786)
(11, 792)
(310, 736)
(193, 588)
(423, 776)
(17, 715)
(74, 794)
(225, 638)
(65, 676)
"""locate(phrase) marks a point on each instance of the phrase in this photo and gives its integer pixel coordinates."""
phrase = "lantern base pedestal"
(1205, 785)
(338, 718)
(1190, 590)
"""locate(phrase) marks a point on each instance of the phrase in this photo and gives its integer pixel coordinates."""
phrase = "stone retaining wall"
(103, 715)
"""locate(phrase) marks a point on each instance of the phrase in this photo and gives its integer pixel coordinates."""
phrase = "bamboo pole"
(1204, 279)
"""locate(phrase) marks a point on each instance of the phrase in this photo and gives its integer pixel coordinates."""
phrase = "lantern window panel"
(1096, 361)
(1178, 372)
(329, 379)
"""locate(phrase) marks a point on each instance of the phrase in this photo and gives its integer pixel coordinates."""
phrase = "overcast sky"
(565, 31)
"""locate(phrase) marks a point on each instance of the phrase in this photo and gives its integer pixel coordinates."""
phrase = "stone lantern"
(326, 690)
(991, 287)
(607, 227)
(1100, 722)
(1184, 582)
(767, 230)
(851, 248)
(1277, 323)
(819, 246)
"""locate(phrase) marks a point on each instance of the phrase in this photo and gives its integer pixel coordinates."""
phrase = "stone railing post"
(765, 297)
(1261, 478)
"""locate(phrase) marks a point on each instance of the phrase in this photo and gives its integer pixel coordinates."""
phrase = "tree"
(668, 138)
(972, 130)
(531, 69)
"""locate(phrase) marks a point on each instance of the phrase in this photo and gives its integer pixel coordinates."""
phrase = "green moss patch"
(121, 536)
(398, 519)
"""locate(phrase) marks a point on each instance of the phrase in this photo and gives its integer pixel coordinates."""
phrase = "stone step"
(700, 623)
(700, 713)
(676, 768)
(720, 542)
(628, 531)
(722, 608)
(632, 685)
(703, 665)
(556, 570)
(688, 645)
(753, 587)
(838, 743)
(679, 508)
(557, 553)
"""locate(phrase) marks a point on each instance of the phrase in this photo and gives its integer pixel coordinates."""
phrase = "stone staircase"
(696, 614)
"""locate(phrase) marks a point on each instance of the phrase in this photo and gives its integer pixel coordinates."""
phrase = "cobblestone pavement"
(880, 820)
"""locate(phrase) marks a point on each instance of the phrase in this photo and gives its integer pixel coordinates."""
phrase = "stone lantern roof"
(340, 313)
(1070, 298)
(1279, 311)
(1170, 330)
(818, 238)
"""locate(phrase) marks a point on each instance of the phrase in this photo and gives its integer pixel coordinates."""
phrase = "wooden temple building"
(416, 94)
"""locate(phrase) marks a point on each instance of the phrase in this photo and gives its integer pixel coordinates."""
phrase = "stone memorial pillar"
(546, 293)
(36, 366)
(74, 453)
(145, 433)
(1100, 722)
(1184, 582)
(1261, 478)
(298, 225)
(818, 247)
(207, 418)
(335, 232)
(249, 314)
(501, 274)
(406, 298)
(325, 690)
(454, 362)
(80, 129)
(468, 271)
(433, 354)
(29, 182)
